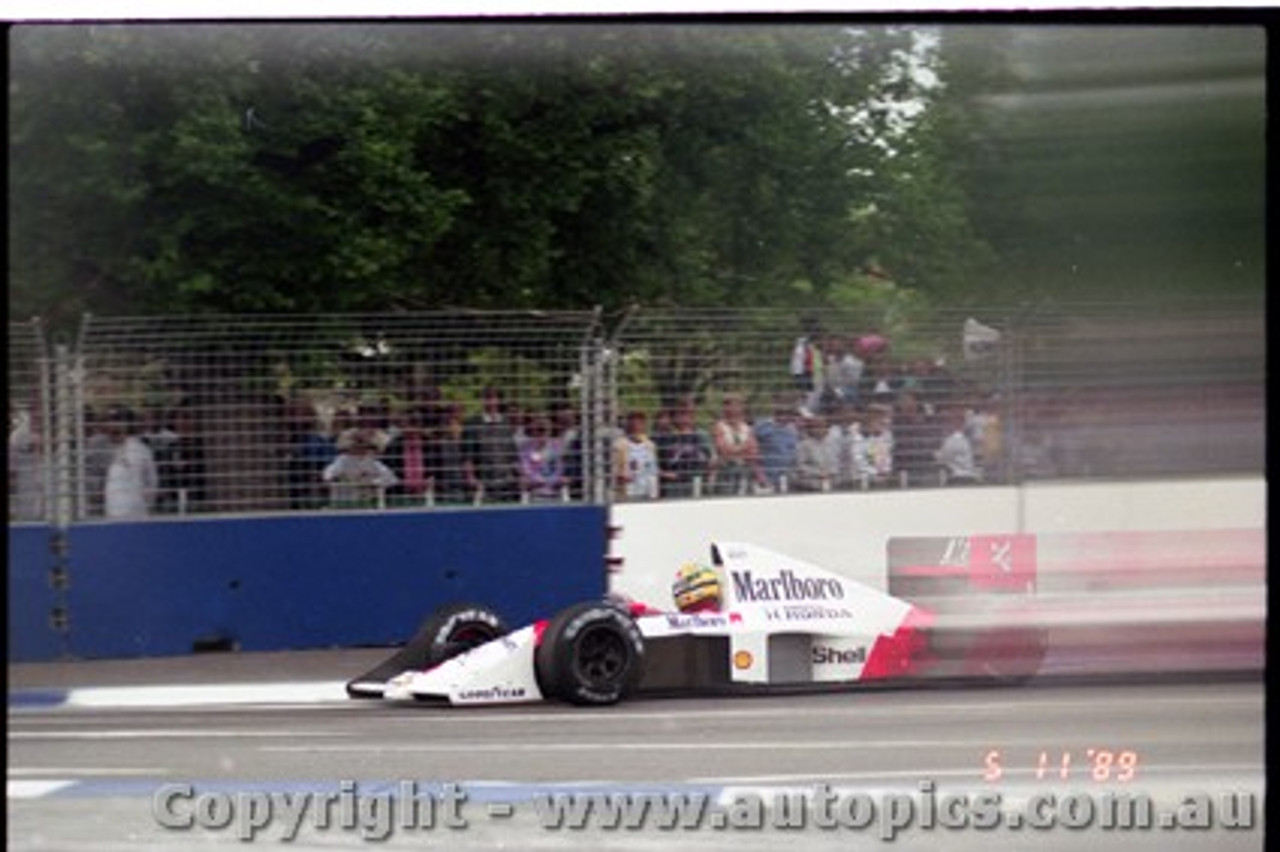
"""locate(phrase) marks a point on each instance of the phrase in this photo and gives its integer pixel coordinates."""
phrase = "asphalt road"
(417, 776)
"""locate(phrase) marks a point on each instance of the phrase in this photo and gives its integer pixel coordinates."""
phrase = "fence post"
(63, 408)
(594, 358)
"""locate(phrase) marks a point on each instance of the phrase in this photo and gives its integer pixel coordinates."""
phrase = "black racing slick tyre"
(443, 635)
(592, 654)
(1013, 656)
(455, 629)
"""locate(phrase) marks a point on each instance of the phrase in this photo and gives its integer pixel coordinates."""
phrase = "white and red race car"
(782, 622)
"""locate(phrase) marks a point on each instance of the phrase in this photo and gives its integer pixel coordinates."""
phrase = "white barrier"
(848, 532)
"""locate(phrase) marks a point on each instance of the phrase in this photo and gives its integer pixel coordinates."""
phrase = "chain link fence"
(251, 414)
(279, 413)
(30, 423)
(786, 401)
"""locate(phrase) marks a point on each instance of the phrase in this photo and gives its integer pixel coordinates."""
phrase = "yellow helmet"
(696, 588)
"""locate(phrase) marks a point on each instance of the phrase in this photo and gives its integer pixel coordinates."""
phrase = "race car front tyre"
(591, 653)
(454, 629)
(446, 633)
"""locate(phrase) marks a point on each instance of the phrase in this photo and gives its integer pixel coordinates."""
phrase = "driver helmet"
(696, 588)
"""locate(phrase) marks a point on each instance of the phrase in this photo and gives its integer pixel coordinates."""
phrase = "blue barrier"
(31, 596)
(161, 587)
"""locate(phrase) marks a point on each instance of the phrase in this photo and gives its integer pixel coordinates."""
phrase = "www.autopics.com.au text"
(376, 811)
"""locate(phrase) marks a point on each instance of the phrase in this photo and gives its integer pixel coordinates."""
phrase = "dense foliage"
(292, 168)
(289, 168)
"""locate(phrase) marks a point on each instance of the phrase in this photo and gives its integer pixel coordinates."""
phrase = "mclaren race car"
(778, 621)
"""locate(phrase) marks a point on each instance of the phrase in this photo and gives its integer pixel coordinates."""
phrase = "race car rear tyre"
(446, 633)
(591, 653)
(1011, 656)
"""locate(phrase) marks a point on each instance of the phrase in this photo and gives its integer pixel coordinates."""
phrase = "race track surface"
(187, 742)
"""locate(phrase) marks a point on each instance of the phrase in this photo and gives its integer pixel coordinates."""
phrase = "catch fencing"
(267, 414)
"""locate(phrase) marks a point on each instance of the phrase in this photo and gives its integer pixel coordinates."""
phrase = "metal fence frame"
(31, 413)
(1117, 363)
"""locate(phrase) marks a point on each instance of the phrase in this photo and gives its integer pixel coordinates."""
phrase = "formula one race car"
(774, 621)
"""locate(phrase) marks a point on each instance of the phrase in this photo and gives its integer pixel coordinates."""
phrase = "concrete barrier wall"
(31, 596)
(160, 587)
(848, 532)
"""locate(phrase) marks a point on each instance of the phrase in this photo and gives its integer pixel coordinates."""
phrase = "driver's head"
(696, 588)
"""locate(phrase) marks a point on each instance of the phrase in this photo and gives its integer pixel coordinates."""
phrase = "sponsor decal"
(825, 655)
(805, 613)
(492, 693)
(1003, 561)
(685, 622)
(1000, 562)
(743, 660)
(786, 585)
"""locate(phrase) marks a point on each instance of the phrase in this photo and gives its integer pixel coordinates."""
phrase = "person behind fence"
(183, 467)
(541, 461)
(663, 430)
(492, 463)
(816, 465)
(846, 370)
(737, 465)
(564, 426)
(685, 458)
(662, 435)
(406, 457)
(132, 479)
(446, 457)
(518, 416)
(986, 433)
(369, 424)
(845, 445)
(311, 450)
(357, 477)
(878, 435)
(571, 438)
(158, 434)
(807, 362)
(956, 456)
(635, 460)
(915, 437)
(98, 451)
(778, 435)
(932, 382)
(26, 491)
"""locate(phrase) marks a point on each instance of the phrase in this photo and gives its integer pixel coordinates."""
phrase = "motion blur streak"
(1090, 603)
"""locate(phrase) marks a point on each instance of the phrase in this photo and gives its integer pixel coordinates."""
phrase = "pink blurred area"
(1104, 603)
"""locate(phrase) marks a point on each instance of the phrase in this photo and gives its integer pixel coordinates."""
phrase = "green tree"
(366, 168)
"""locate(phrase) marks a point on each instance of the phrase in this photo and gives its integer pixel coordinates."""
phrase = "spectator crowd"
(849, 418)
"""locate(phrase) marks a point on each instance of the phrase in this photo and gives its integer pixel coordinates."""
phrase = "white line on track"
(473, 748)
(671, 710)
(61, 771)
(217, 693)
(23, 789)
(332, 695)
(170, 733)
(616, 746)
